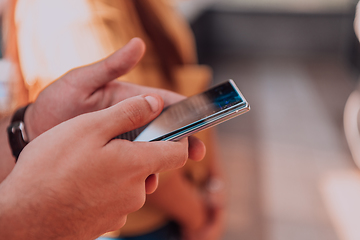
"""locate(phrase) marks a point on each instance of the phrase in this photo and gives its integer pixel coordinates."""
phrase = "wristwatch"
(16, 132)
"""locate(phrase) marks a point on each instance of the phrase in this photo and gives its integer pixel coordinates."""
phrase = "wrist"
(30, 124)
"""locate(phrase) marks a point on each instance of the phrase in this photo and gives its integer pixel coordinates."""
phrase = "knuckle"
(113, 71)
(117, 224)
(182, 153)
(133, 114)
(183, 157)
(136, 203)
(179, 158)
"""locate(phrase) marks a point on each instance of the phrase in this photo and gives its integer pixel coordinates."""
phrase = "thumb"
(127, 115)
(96, 75)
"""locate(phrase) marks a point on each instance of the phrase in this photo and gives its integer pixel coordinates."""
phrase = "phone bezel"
(210, 120)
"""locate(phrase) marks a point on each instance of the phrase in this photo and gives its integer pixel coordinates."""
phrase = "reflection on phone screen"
(201, 107)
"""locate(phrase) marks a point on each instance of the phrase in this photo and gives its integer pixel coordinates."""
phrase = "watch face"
(19, 127)
(16, 132)
(17, 137)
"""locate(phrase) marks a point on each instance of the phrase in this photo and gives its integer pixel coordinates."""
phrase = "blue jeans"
(170, 231)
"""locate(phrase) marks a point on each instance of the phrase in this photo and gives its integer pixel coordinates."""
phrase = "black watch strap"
(17, 133)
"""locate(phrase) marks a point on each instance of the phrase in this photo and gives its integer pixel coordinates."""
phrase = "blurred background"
(291, 173)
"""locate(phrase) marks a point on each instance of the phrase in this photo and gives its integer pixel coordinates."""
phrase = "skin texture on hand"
(78, 173)
(84, 90)
(75, 181)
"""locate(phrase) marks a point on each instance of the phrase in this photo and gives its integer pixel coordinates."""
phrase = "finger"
(96, 75)
(127, 115)
(151, 183)
(162, 155)
(197, 149)
(126, 90)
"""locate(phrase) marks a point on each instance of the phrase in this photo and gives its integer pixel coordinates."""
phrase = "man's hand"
(83, 90)
(88, 89)
(76, 181)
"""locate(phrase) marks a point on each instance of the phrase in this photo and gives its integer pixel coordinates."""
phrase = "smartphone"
(193, 114)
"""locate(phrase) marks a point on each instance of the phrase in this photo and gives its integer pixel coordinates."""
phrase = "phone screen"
(202, 107)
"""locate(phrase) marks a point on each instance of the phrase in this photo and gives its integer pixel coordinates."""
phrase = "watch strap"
(17, 133)
(19, 114)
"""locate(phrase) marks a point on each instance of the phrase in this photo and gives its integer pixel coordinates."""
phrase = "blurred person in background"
(47, 38)
(352, 108)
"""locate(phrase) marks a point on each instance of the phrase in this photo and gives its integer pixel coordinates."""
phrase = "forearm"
(179, 199)
(7, 161)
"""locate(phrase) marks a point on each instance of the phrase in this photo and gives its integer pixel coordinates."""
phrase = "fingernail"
(153, 102)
